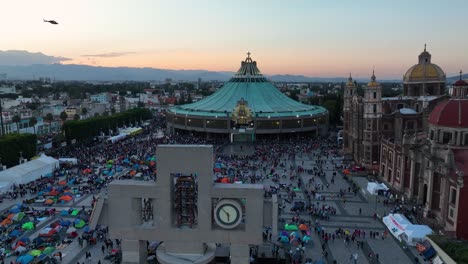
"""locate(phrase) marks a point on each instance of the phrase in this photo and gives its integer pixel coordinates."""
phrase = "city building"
(7, 90)
(101, 98)
(248, 108)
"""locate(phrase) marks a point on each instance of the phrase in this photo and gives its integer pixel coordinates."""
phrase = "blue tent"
(25, 240)
(429, 253)
(38, 241)
(65, 223)
(15, 233)
(15, 210)
(64, 213)
(71, 182)
(24, 259)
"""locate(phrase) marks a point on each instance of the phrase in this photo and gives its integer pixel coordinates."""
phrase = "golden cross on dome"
(248, 54)
(424, 46)
(461, 74)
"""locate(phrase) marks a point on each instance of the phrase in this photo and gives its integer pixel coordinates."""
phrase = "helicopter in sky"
(51, 21)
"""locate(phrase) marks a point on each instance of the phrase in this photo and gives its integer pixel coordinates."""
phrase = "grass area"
(456, 249)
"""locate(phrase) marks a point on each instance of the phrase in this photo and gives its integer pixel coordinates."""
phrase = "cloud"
(23, 57)
(108, 55)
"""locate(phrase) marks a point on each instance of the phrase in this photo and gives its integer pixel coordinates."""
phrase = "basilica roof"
(451, 113)
(424, 71)
(250, 86)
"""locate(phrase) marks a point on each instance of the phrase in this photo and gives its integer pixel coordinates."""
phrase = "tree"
(76, 117)
(33, 122)
(96, 114)
(106, 113)
(84, 111)
(112, 110)
(16, 119)
(63, 116)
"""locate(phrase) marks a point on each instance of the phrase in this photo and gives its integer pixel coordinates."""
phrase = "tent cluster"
(295, 235)
(34, 255)
(58, 194)
(139, 167)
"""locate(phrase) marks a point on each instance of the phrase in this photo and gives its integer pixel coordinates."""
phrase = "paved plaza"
(353, 212)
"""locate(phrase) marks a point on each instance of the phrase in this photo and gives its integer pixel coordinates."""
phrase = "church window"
(374, 106)
(447, 137)
(466, 140)
(375, 95)
(453, 196)
(432, 134)
(417, 108)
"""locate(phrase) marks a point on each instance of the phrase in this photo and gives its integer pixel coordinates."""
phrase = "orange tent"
(66, 198)
(346, 172)
(303, 227)
(225, 180)
(49, 201)
(10, 216)
(132, 173)
(6, 222)
(62, 183)
(53, 192)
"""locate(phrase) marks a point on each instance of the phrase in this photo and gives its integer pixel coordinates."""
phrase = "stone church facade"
(417, 141)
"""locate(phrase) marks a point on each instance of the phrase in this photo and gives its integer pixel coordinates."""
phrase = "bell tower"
(349, 92)
(372, 115)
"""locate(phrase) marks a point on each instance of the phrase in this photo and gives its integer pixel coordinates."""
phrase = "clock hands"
(227, 214)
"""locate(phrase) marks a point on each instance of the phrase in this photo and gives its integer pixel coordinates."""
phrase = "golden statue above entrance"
(242, 115)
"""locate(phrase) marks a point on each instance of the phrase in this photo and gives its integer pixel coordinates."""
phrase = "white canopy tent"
(4, 187)
(403, 229)
(373, 187)
(29, 171)
(117, 138)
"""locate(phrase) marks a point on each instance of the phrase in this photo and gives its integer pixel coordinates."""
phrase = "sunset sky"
(327, 38)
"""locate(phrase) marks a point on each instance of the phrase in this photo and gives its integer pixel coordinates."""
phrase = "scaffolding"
(185, 201)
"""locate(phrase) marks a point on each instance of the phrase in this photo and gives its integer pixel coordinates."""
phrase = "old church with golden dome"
(418, 141)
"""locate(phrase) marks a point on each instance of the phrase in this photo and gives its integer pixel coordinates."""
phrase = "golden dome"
(424, 72)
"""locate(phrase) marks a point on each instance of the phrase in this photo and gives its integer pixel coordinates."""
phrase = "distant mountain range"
(72, 72)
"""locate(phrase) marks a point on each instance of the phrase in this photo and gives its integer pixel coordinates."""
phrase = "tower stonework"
(349, 92)
(372, 115)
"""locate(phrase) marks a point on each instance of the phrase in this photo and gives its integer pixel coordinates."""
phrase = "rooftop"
(248, 85)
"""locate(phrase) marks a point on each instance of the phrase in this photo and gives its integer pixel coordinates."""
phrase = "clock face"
(228, 214)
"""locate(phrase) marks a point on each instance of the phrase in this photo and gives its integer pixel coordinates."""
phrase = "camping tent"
(373, 187)
(29, 171)
(404, 230)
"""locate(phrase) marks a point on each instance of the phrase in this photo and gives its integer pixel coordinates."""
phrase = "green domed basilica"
(246, 108)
